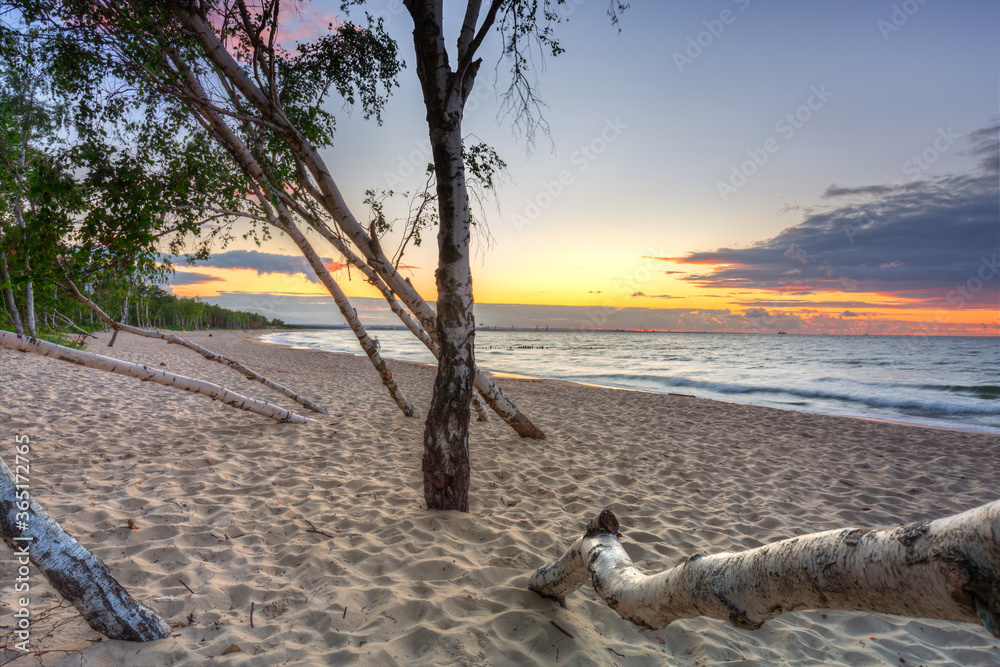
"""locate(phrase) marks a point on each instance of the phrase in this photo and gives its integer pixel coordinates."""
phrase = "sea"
(941, 381)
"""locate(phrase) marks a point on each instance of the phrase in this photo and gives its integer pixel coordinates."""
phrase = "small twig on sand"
(185, 585)
(313, 529)
(620, 655)
(251, 615)
(562, 630)
(345, 613)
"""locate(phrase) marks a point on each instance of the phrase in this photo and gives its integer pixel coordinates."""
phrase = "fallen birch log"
(947, 569)
(75, 293)
(90, 360)
(77, 574)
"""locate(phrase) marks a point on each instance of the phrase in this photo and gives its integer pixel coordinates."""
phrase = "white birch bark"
(78, 575)
(332, 200)
(90, 360)
(412, 324)
(947, 569)
(277, 215)
(9, 294)
(349, 313)
(29, 288)
(75, 293)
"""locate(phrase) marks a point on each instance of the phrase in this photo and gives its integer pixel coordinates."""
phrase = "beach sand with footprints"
(310, 545)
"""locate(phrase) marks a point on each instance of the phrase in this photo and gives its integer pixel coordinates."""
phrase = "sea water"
(945, 381)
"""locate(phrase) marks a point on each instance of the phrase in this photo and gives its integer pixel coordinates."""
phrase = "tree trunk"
(280, 218)
(9, 293)
(90, 360)
(29, 288)
(77, 574)
(947, 569)
(446, 465)
(331, 199)
(75, 293)
(114, 337)
(348, 311)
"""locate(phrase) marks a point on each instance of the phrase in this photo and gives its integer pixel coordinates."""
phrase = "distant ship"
(782, 333)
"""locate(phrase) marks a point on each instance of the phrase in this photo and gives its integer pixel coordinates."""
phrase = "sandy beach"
(321, 529)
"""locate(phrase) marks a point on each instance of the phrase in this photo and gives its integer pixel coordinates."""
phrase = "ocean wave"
(929, 407)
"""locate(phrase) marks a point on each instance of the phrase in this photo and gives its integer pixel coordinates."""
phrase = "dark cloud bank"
(934, 242)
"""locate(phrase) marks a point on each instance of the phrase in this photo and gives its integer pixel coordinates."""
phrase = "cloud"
(266, 262)
(191, 278)
(986, 146)
(865, 190)
(939, 236)
(848, 313)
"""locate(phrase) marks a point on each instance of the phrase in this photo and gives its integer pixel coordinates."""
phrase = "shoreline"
(223, 500)
(519, 376)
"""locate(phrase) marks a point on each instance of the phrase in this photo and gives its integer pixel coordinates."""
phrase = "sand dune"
(321, 528)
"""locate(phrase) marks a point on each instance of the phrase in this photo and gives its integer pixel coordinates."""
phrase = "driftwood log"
(947, 569)
(77, 574)
(12, 341)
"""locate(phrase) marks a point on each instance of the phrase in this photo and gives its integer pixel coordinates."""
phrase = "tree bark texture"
(77, 574)
(349, 313)
(90, 360)
(277, 214)
(9, 294)
(446, 464)
(947, 569)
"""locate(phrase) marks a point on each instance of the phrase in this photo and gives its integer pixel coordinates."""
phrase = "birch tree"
(43, 348)
(74, 293)
(77, 574)
(947, 569)
(279, 96)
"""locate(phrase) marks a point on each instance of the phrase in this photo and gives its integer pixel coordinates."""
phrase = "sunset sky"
(730, 165)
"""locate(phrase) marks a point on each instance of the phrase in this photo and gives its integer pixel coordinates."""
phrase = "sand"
(225, 501)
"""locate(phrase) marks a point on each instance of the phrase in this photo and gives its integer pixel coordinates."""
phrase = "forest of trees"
(144, 306)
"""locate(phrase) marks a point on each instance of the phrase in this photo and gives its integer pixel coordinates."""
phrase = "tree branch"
(947, 569)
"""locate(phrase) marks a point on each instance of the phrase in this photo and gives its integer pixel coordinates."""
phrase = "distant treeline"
(146, 306)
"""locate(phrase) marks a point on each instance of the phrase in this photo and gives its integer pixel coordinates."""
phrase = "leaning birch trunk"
(90, 360)
(74, 293)
(280, 219)
(332, 200)
(9, 293)
(29, 288)
(947, 569)
(414, 326)
(77, 574)
(347, 310)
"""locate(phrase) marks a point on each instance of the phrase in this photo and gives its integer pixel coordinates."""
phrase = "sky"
(720, 165)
